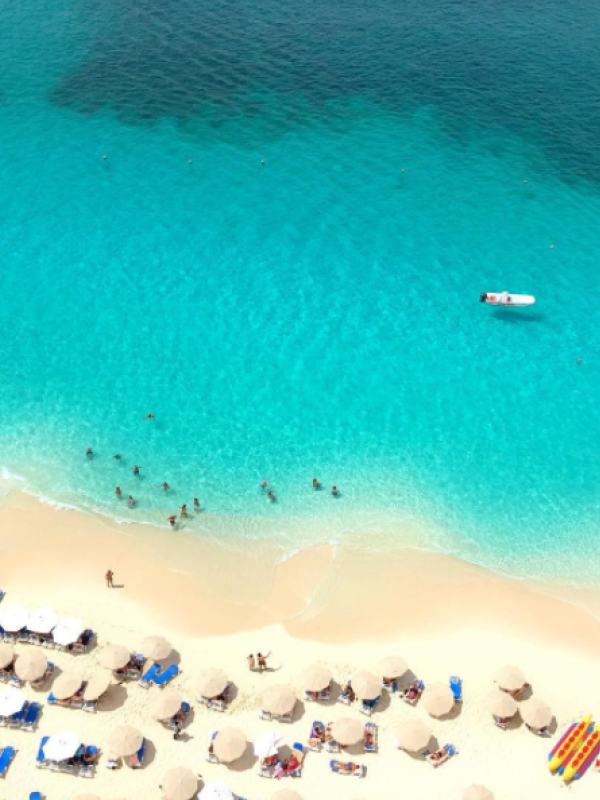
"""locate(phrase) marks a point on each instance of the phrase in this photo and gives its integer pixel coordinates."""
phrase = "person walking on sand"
(251, 663)
(109, 579)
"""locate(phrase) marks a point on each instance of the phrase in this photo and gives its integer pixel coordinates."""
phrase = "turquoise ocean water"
(318, 314)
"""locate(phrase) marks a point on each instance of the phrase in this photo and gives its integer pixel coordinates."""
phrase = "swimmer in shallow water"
(172, 520)
(136, 470)
(196, 504)
(184, 510)
(119, 492)
(131, 501)
(150, 416)
(271, 496)
(89, 453)
(316, 484)
(335, 491)
(164, 485)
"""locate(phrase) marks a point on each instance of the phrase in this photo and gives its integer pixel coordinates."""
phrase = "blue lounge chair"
(149, 676)
(137, 761)
(35, 796)
(371, 728)
(51, 699)
(41, 760)
(87, 770)
(456, 686)
(166, 676)
(1, 599)
(31, 717)
(6, 756)
(300, 753)
(16, 719)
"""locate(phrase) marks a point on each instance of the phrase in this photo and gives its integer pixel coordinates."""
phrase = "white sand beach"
(339, 608)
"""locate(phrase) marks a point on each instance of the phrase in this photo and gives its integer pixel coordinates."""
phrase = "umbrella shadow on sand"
(246, 761)
(114, 697)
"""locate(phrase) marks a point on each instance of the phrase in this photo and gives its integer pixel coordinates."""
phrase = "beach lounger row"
(6, 756)
(72, 766)
(45, 640)
(154, 676)
(26, 719)
(71, 702)
(8, 676)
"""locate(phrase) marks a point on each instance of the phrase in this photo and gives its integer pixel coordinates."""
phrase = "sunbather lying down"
(442, 754)
(346, 767)
(413, 691)
(517, 692)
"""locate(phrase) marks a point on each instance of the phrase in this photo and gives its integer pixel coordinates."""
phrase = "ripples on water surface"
(318, 314)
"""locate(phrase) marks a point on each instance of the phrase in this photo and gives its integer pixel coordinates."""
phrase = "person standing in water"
(136, 470)
(335, 491)
(150, 416)
(184, 510)
(316, 484)
(196, 504)
(89, 453)
(172, 520)
(165, 486)
(118, 492)
(131, 501)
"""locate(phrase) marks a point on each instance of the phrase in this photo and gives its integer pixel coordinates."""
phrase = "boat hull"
(507, 299)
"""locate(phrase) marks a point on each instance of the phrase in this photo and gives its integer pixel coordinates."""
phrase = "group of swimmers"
(172, 519)
(315, 484)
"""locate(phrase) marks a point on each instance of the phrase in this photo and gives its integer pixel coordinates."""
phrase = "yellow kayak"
(569, 742)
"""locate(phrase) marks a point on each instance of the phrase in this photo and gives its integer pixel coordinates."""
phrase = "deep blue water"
(315, 315)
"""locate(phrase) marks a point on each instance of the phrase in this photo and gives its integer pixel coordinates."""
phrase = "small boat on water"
(506, 299)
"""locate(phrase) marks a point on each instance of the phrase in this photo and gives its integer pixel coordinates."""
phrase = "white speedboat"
(507, 299)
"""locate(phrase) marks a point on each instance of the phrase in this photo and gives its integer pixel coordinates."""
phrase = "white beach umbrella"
(179, 783)
(125, 741)
(216, 790)
(61, 746)
(278, 699)
(316, 678)
(11, 701)
(7, 655)
(477, 792)
(438, 699)
(155, 648)
(97, 685)
(413, 735)
(68, 630)
(229, 744)
(366, 685)
(165, 704)
(536, 713)
(14, 618)
(30, 666)
(42, 620)
(347, 731)
(510, 678)
(114, 656)
(211, 682)
(267, 744)
(500, 704)
(391, 667)
(66, 685)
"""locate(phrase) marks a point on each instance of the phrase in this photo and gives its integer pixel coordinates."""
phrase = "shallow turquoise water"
(318, 314)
